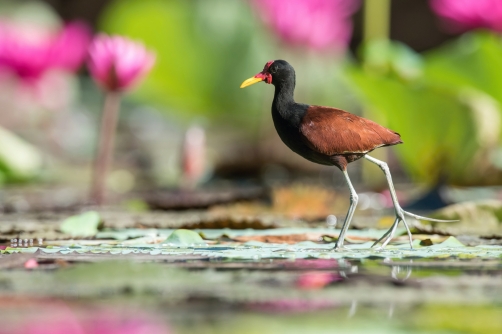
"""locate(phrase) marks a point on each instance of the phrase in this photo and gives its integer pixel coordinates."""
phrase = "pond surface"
(128, 283)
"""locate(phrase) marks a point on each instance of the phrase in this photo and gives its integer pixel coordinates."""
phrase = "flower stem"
(104, 152)
(376, 20)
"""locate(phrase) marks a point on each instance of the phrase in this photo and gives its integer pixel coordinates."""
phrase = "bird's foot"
(400, 213)
(387, 237)
(339, 247)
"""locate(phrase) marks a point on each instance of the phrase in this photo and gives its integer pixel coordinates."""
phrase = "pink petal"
(70, 47)
(318, 24)
(462, 15)
(117, 63)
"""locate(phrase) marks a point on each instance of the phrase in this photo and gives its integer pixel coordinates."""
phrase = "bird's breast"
(290, 134)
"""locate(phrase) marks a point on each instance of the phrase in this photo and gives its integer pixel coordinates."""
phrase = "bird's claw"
(390, 233)
(400, 213)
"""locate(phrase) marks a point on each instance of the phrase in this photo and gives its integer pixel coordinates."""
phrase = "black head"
(275, 72)
(281, 72)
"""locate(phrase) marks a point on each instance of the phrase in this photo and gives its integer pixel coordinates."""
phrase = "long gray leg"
(399, 211)
(353, 203)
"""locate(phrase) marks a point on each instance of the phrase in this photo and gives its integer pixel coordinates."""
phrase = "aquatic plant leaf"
(184, 237)
(470, 61)
(456, 85)
(474, 218)
(416, 111)
(448, 243)
(83, 225)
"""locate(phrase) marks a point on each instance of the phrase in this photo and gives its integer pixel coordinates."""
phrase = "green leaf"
(482, 217)
(190, 39)
(183, 237)
(436, 124)
(83, 225)
(392, 58)
(451, 242)
(19, 160)
(471, 61)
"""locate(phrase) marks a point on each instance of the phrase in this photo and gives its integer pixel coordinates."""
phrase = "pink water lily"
(316, 279)
(117, 63)
(28, 52)
(56, 317)
(462, 15)
(318, 24)
(37, 66)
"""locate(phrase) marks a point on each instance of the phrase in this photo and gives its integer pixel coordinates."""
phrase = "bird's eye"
(273, 70)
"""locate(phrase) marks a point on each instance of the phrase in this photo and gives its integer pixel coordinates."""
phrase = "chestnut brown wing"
(333, 131)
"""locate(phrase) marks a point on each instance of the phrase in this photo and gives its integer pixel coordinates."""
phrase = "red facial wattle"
(264, 75)
(268, 76)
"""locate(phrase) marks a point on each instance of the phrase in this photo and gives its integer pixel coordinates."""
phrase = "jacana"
(329, 136)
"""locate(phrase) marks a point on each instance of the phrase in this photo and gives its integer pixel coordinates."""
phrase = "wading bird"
(329, 136)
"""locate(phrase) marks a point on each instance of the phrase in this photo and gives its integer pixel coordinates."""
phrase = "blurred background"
(429, 70)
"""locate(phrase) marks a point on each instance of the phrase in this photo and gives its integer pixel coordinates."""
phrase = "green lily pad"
(83, 225)
(448, 243)
(183, 237)
(482, 217)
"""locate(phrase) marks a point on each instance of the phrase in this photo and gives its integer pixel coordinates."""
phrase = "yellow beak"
(250, 81)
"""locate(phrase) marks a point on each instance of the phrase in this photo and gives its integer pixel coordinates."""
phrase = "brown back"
(332, 131)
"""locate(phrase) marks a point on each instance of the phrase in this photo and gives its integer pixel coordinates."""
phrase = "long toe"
(339, 247)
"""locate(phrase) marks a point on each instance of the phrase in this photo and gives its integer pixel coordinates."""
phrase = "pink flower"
(31, 264)
(117, 63)
(59, 318)
(316, 280)
(37, 62)
(194, 156)
(462, 15)
(112, 323)
(318, 24)
(30, 51)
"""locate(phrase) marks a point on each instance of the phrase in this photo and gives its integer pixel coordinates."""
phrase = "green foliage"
(472, 61)
(445, 105)
(459, 319)
(482, 217)
(436, 143)
(83, 225)
(384, 57)
(205, 49)
(19, 160)
(200, 58)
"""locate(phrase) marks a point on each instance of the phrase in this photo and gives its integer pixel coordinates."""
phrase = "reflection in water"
(390, 314)
(401, 273)
(56, 317)
(353, 308)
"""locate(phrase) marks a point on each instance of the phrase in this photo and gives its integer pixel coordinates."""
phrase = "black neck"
(284, 97)
(284, 107)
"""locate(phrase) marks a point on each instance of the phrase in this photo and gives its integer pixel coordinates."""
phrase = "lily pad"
(184, 237)
(83, 225)
(483, 217)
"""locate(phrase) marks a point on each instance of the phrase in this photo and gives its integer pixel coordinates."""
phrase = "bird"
(332, 137)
